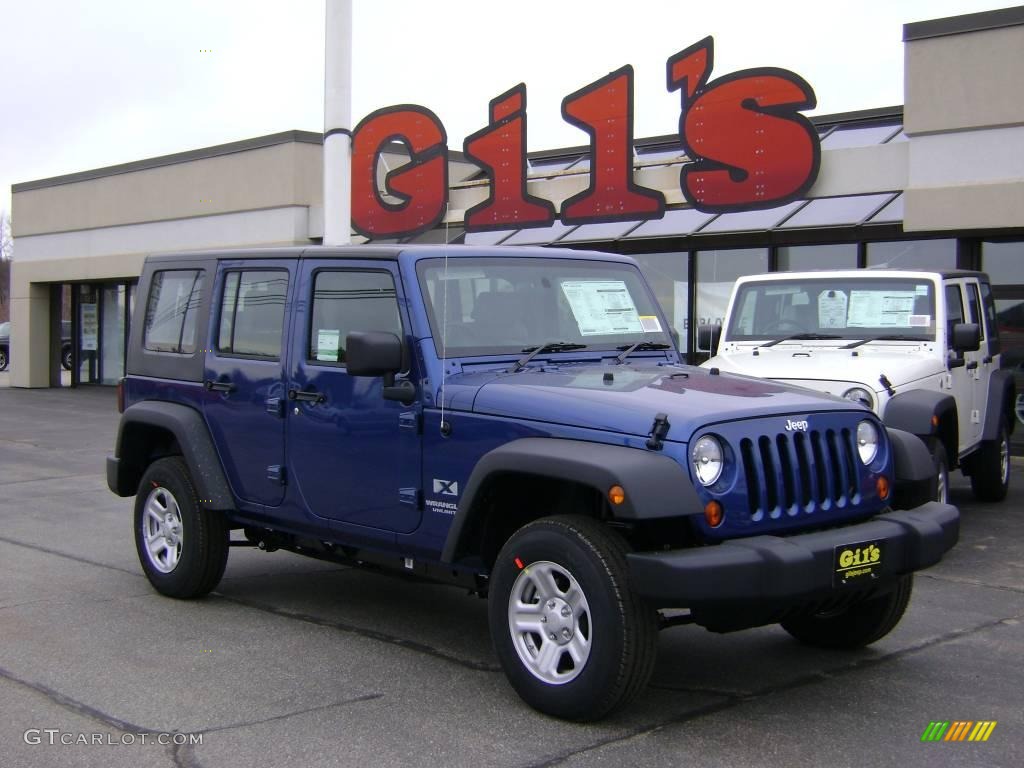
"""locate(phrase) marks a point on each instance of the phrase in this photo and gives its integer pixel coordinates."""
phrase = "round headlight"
(867, 441)
(860, 395)
(707, 459)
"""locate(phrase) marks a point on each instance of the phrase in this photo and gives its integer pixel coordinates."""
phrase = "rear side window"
(991, 327)
(973, 306)
(171, 310)
(252, 313)
(346, 301)
(954, 310)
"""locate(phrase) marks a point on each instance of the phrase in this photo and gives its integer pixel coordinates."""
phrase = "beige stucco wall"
(967, 80)
(964, 114)
(268, 177)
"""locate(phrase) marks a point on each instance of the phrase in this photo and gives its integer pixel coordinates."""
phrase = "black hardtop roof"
(387, 253)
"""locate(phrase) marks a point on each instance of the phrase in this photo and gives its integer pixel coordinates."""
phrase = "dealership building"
(937, 182)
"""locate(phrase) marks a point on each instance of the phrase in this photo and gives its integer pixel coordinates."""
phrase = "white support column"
(338, 123)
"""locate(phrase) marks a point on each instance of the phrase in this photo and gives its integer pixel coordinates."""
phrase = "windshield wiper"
(889, 337)
(629, 349)
(802, 337)
(554, 346)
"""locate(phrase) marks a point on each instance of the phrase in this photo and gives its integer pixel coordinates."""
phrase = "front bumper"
(792, 569)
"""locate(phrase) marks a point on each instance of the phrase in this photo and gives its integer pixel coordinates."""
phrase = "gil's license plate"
(857, 563)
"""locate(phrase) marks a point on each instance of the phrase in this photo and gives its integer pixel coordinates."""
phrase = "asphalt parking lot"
(301, 663)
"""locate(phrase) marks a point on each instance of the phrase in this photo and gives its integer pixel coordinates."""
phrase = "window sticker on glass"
(880, 309)
(920, 321)
(832, 309)
(650, 323)
(327, 344)
(602, 307)
(921, 290)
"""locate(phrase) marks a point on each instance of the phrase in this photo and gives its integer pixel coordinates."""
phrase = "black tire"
(941, 463)
(858, 625)
(190, 552)
(618, 629)
(65, 357)
(4, 358)
(990, 468)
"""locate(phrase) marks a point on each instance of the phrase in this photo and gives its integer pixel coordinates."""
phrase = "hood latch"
(659, 429)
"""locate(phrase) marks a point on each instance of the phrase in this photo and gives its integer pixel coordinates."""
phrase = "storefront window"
(1003, 261)
(113, 332)
(716, 273)
(913, 254)
(798, 258)
(669, 276)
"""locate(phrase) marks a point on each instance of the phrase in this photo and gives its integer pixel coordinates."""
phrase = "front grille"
(791, 473)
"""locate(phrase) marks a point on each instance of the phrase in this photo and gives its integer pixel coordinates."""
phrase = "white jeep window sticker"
(832, 309)
(327, 345)
(880, 309)
(602, 307)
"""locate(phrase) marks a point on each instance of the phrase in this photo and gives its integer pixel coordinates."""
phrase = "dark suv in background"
(65, 345)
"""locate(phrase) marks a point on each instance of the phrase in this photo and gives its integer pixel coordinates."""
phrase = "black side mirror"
(377, 353)
(372, 353)
(966, 337)
(708, 337)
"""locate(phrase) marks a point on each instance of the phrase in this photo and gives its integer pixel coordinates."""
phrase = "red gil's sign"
(749, 147)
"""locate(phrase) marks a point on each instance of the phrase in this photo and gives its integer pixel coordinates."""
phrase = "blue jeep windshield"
(492, 306)
(846, 308)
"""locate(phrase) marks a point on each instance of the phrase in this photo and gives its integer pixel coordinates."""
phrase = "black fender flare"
(125, 470)
(1002, 399)
(656, 486)
(914, 470)
(926, 413)
(911, 460)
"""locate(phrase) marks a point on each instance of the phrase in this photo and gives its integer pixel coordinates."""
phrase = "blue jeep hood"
(581, 395)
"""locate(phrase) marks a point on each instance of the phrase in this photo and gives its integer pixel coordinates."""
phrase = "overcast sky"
(89, 84)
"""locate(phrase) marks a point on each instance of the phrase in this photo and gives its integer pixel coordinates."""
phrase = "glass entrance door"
(103, 312)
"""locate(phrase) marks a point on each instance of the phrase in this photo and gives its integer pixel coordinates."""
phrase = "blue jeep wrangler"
(517, 422)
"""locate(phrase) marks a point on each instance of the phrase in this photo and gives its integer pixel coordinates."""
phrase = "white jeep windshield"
(844, 308)
(500, 306)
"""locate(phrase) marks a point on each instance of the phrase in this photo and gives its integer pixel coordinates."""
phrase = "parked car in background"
(65, 345)
(920, 348)
(5, 345)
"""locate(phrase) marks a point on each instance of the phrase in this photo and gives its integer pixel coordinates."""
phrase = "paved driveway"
(293, 662)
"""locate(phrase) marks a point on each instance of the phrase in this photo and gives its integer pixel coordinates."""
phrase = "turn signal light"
(120, 395)
(713, 513)
(882, 486)
(616, 495)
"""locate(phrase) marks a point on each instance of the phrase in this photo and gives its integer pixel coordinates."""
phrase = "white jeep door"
(979, 363)
(961, 375)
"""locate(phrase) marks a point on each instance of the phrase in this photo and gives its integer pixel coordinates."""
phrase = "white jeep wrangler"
(920, 348)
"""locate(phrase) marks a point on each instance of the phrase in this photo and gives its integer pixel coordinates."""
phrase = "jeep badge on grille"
(796, 426)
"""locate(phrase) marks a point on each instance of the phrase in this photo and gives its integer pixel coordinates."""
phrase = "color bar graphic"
(958, 730)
